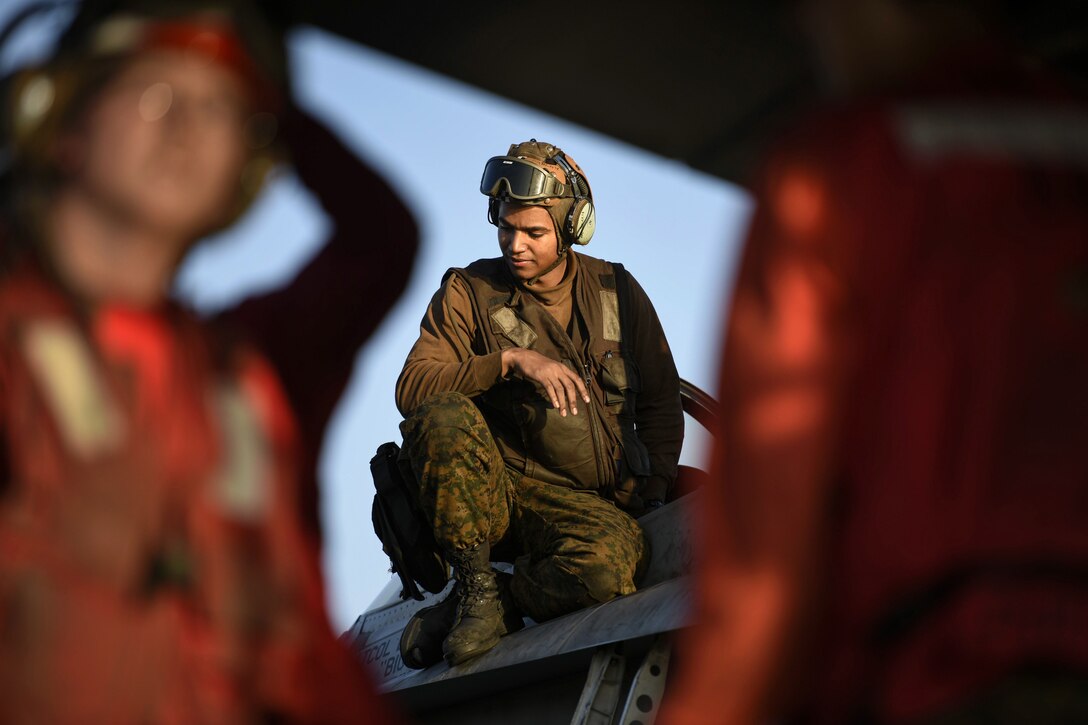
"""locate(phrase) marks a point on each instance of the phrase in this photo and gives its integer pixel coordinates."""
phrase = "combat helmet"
(540, 174)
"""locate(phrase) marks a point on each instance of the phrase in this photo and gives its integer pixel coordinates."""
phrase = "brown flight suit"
(495, 462)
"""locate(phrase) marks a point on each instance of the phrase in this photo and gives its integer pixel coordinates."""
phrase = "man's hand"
(561, 384)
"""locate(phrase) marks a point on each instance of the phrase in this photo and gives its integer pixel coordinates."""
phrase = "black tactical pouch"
(406, 538)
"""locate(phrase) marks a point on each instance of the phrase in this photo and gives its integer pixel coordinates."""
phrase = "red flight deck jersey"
(902, 469)
(153, 567)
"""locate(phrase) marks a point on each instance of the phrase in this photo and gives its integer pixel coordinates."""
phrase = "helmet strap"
(558, 260)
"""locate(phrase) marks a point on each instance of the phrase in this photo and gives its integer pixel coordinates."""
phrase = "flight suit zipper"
(604, 481)
(593, 432)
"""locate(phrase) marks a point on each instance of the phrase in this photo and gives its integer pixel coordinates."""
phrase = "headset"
(29, 95)
(582, 217)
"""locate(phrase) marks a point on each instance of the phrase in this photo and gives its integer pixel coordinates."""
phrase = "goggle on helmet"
(523, 181)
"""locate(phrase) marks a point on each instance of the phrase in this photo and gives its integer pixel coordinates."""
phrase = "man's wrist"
(507, 358)
(513, 358)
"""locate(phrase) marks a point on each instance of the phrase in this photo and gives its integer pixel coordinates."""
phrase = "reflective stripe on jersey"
(71, 382)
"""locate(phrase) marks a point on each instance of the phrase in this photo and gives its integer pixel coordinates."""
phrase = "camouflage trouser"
(574, 549)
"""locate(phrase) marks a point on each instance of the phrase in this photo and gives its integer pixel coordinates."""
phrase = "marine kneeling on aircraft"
(542, 413)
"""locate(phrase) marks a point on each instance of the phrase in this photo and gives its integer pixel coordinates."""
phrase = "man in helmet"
(310, 330)
(542, 408)
(154, 565)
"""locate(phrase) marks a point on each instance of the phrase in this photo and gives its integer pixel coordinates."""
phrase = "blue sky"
(676, 230)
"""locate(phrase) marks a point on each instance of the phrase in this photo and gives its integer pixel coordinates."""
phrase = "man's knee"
(446, 433)
(611, 561)
(606, 577)
(443, 419)
(561, 584)
(444, 410)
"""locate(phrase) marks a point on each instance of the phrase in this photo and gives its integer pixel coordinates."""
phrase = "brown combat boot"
(484, 611)
(421, 640)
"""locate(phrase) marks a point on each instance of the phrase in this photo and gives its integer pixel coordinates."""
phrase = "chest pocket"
(619, 380)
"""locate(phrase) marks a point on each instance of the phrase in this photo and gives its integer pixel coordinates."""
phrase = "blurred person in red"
(897, 532)
(158, 541)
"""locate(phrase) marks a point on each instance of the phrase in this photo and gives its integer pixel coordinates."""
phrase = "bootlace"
(471, 580)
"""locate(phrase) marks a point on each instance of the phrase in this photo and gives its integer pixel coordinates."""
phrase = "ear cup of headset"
(582, 221)
(36, 101)
(31, 98)
(582, 218)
